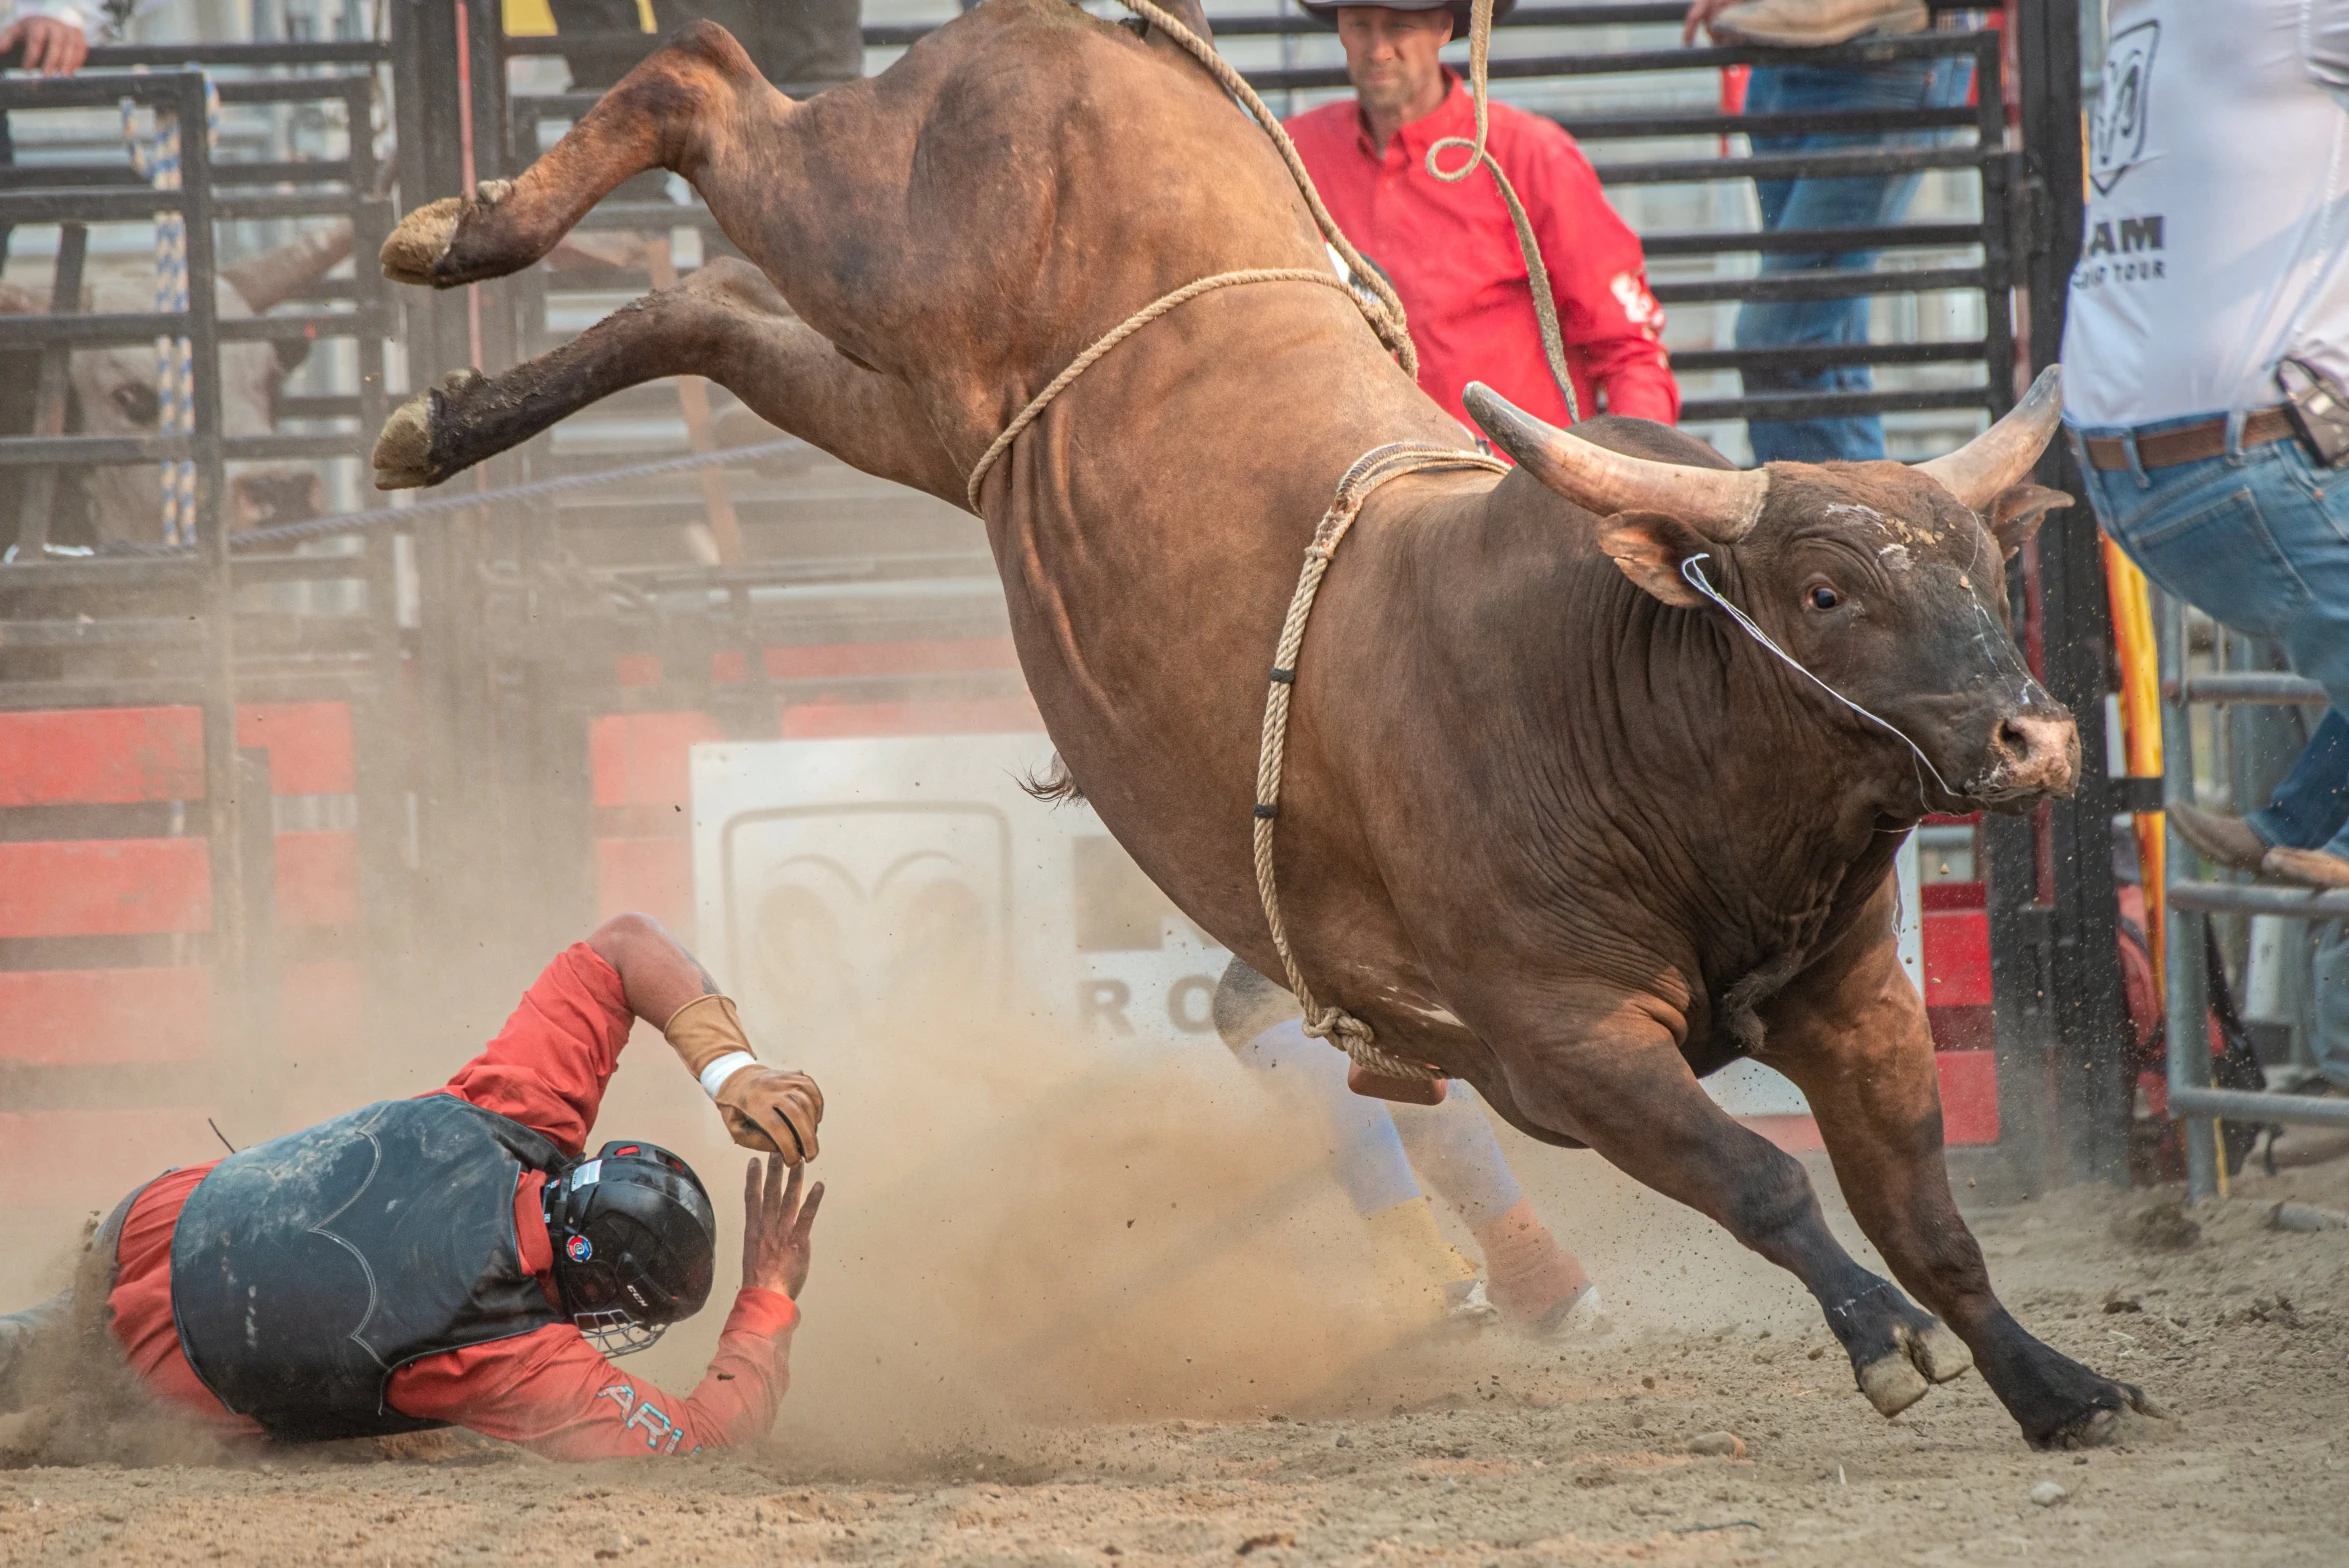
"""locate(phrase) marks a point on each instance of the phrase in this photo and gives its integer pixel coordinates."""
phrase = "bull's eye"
(1825, 598)
(135, 402)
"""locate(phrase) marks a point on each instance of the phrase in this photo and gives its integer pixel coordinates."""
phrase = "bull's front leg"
(1852, 1035)
(725, 322)
(1607, 1069)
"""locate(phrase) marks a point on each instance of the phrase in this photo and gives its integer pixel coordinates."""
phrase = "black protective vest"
(305, 1270)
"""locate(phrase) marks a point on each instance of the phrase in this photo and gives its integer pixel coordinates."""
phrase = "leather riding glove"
(765, 1108)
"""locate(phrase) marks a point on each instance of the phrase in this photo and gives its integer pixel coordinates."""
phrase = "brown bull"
(1553, 822)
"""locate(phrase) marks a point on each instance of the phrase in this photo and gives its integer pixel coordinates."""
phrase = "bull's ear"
(1649, 547)
(2017, 511)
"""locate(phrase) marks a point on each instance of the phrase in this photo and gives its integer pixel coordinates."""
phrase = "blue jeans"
(1870, 201)
(26, 1336)
(2259, 539)
(2311, 803)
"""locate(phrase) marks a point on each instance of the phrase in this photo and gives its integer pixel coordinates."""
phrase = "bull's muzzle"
(2032, 754)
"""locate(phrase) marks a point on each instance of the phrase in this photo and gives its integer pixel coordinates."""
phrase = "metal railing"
(83, 629)
(1938, 141)
(2192, 902)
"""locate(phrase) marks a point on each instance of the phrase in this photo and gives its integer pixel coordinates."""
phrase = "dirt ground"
(1080, 1339)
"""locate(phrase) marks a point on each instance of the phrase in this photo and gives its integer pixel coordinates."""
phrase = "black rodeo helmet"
(635, 1243)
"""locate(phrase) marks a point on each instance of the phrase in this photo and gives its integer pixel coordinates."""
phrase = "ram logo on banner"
(843, 883)
(846, 885)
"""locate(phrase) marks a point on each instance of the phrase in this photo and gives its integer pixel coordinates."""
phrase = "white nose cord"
(1696, 579)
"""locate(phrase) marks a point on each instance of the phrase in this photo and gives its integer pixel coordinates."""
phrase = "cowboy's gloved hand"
(765, 1108)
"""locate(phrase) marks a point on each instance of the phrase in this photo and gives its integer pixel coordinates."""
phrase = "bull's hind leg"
(1853, 1037)
(696, 106)
(725, 322)
(1609, 1072)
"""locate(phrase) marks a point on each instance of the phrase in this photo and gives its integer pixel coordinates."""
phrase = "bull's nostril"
(2036, 751)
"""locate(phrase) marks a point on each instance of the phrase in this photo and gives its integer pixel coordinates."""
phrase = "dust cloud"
(1019, 1228)
(1023, 1228)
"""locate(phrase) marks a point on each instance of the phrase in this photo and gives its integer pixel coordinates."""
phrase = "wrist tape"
(714, 1076)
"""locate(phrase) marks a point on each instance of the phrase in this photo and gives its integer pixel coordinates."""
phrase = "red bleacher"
(79, 895)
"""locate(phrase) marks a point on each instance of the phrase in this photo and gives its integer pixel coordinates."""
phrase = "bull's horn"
(276, 276)
(1999, 457)
(1720, 503)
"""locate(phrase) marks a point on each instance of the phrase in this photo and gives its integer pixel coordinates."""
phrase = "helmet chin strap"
(1694, 576)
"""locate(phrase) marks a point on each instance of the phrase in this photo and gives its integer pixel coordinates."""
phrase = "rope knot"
(1354, 1037)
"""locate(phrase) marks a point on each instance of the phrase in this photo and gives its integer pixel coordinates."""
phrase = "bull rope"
(1371, 470)
(1380, 306)
(1371, 293)
(157, 160)
(1126, 329)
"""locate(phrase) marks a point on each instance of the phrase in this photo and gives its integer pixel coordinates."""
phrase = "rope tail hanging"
(1545, 304)
(157, 160)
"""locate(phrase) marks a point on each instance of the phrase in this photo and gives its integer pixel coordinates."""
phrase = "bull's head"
(1887, 582)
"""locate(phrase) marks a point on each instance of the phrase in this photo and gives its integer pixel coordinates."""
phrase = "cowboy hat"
(1327, 10)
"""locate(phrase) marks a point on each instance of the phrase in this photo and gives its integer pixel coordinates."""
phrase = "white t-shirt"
(2217, 239)
(65, 11)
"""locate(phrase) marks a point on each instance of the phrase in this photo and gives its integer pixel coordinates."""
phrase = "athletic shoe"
(1581, 1318)
(1810, 24)
(1468, 1309)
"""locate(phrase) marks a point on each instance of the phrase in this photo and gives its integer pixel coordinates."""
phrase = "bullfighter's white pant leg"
(1453, 1149)
(1364, 1153)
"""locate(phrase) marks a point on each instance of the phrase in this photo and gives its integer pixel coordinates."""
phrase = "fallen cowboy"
(1595, 770)
(454, 1259)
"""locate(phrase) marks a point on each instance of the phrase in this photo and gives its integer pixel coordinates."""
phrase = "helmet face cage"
(635, 1241)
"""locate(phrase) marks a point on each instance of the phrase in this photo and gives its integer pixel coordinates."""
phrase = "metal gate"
(199, 781)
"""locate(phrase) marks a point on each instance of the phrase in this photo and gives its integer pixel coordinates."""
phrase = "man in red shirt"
(1451, 251)
(452, 1259)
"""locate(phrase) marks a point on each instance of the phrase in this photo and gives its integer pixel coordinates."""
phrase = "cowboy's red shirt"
(549, 1389)
(1451, 252)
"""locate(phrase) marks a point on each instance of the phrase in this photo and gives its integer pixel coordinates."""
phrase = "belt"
(94, 1277)
(2187, 444)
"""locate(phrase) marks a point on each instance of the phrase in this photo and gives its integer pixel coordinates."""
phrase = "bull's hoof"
(404, 453)
(1891, 1384)
(2118, 1413)
(423, 237)
(414, 251)
(1925, 1356)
